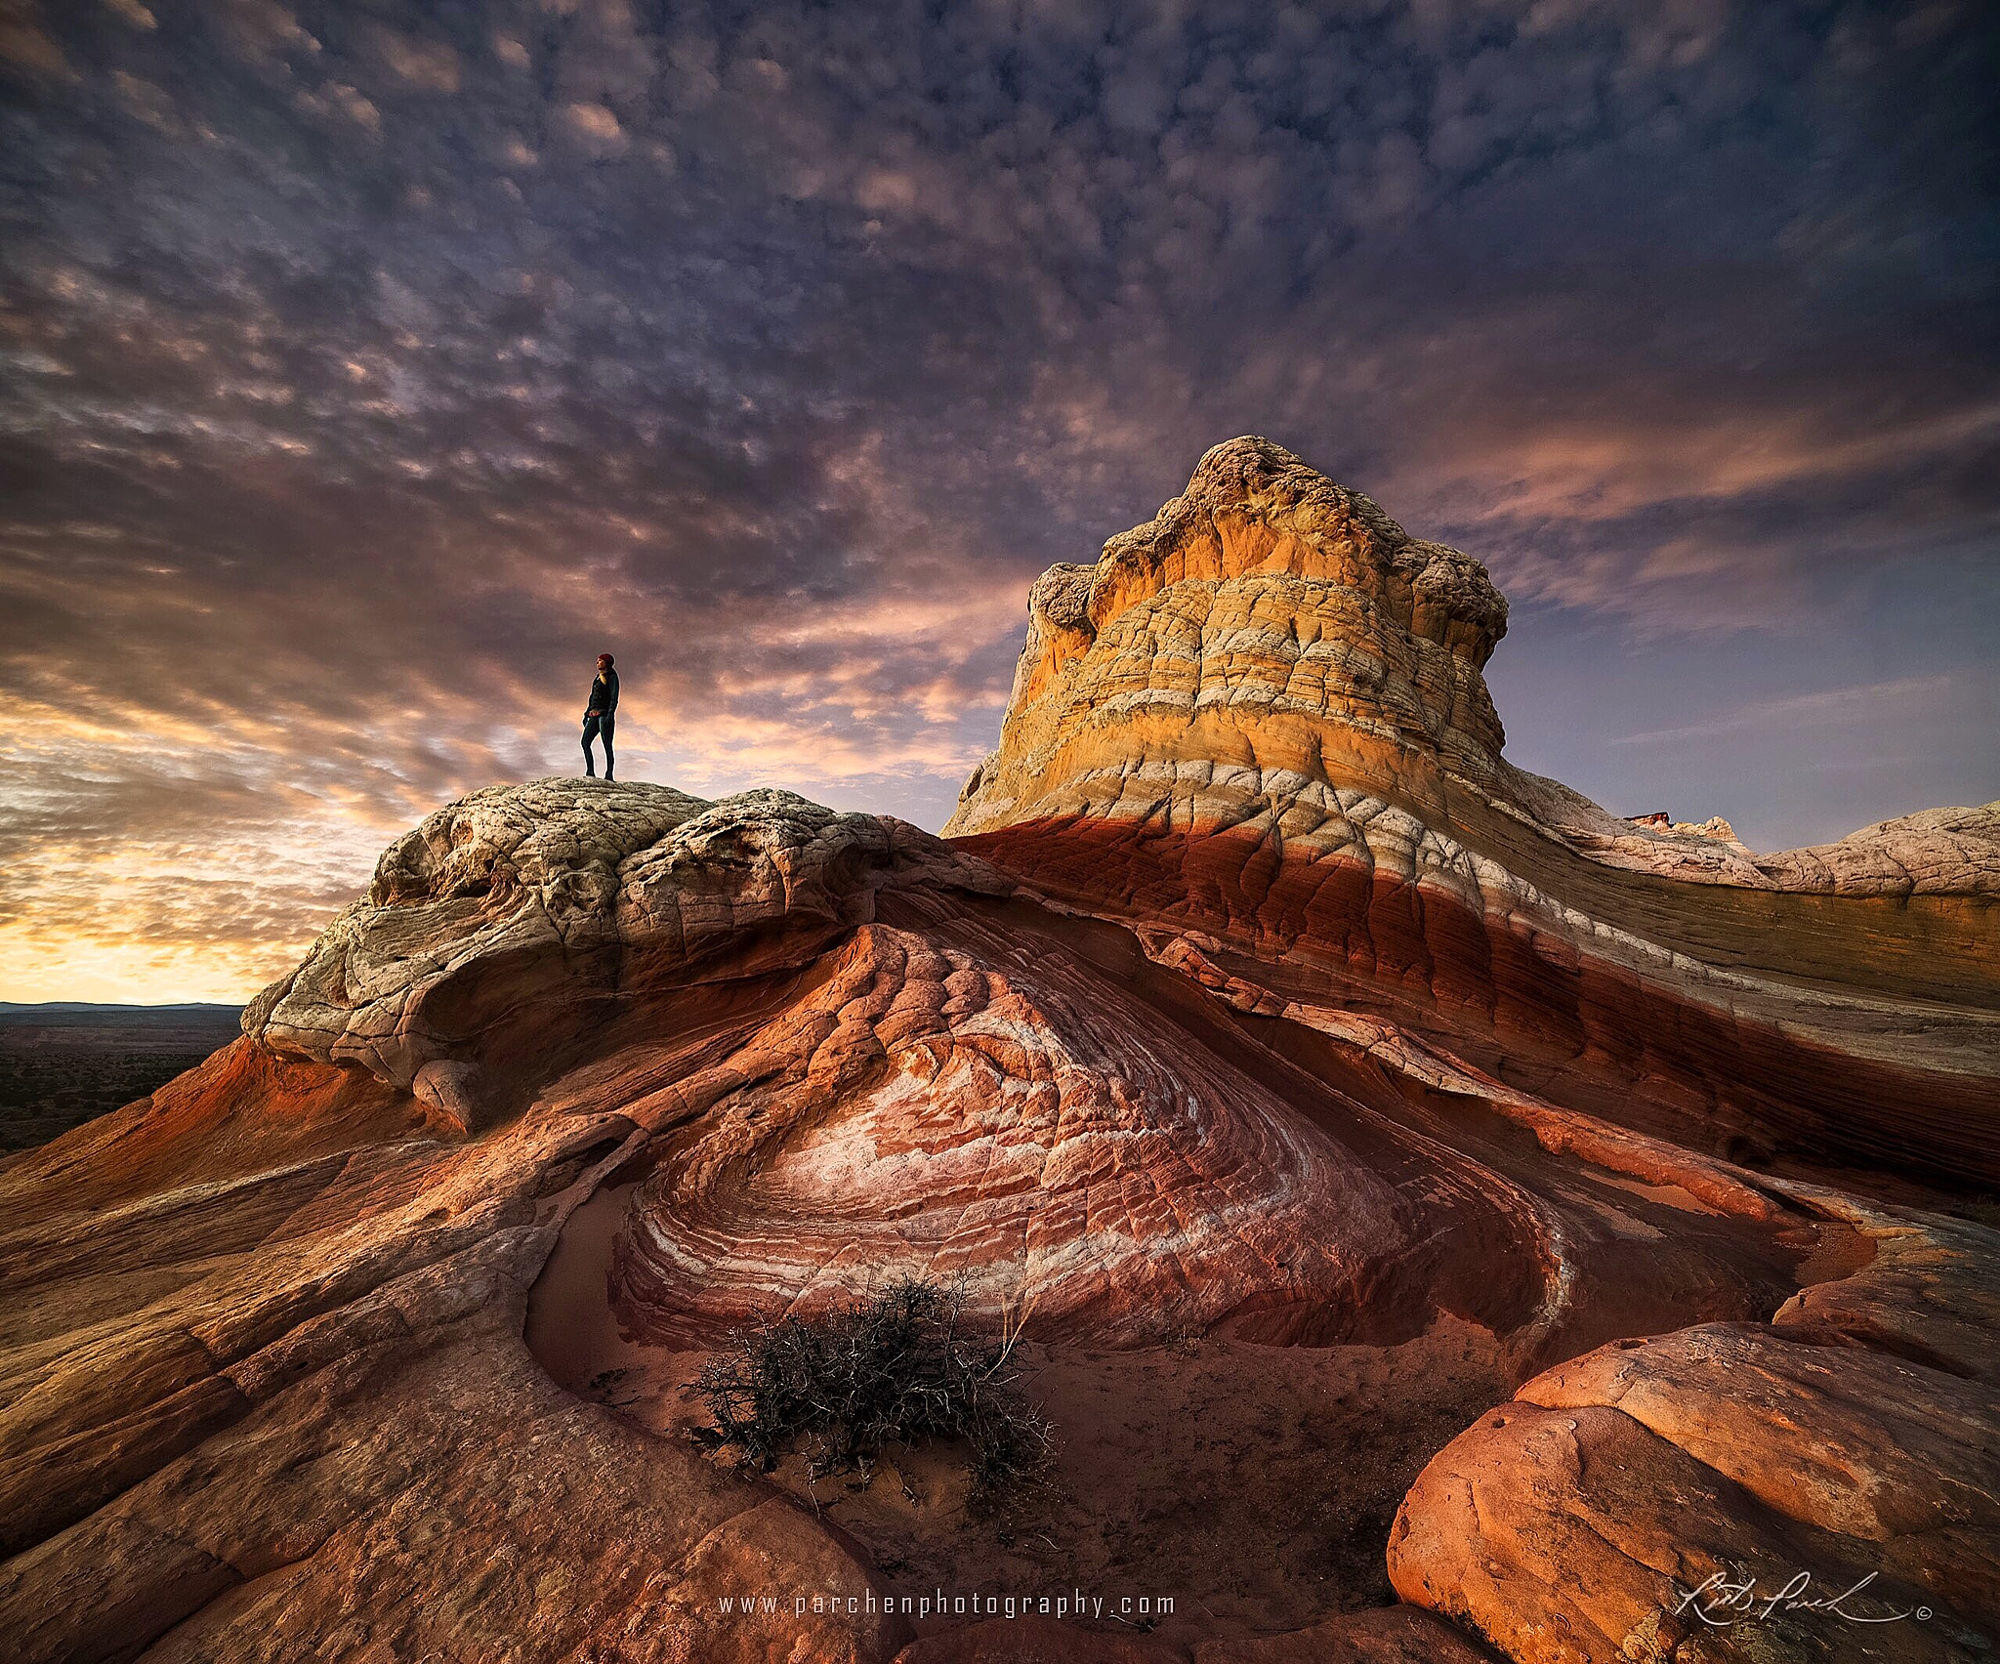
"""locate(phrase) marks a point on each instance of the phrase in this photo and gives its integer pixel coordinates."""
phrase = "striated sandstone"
(1571, 1524)
(1272, 653)
(933, 1112)
(282, 1362)
(558, 895)
(1273, 648)
(1262, 1004)
(1262, 714)
(1236, 731)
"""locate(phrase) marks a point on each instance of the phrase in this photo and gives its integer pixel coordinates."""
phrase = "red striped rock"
(929, 1112)
(1261, 1000)
(1265, 709)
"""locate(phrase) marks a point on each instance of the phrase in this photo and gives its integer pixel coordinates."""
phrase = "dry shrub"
(896, 1367)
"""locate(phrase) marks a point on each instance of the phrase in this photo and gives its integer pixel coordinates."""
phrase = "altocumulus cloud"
(368, 372)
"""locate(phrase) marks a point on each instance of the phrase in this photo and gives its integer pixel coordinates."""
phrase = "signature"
(1721, 1601)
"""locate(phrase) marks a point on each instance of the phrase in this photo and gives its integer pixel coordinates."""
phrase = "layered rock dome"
(1264, 712)
(1259, 1022)
(1271, 649)
(1266, 629)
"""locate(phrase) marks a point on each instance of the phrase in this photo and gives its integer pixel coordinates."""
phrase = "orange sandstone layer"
(1261, 999)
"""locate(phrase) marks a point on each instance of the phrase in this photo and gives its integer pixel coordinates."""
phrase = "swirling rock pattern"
(1260, 997)
(1000, 1099)
(929, 1112)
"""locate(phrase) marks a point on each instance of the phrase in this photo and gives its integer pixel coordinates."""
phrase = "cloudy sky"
(370, 367)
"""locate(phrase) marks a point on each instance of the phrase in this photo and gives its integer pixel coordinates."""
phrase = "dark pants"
(593, 725)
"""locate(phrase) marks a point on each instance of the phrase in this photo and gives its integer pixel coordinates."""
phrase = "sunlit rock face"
(1266, 632)
(1256, 730)
(1272, 652)
(1263, 714)
(1261, 1000)
(1619, 1506)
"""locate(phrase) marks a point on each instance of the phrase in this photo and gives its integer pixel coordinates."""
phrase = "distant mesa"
(1254, 1000)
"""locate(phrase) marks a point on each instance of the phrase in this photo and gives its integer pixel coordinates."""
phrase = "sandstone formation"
(1264, 713)
(1714, 827)
(1259, 1004)
(1855, 1438)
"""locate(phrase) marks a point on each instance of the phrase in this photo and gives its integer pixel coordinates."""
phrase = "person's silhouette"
(600, 716)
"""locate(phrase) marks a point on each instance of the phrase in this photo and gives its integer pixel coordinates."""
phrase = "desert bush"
(897, 1366)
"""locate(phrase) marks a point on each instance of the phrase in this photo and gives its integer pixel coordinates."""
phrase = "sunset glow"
(367, 374)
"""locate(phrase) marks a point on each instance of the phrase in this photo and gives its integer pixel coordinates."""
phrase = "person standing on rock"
(599, 717)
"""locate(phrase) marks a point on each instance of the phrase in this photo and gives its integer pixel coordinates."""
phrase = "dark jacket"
(603, 694)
